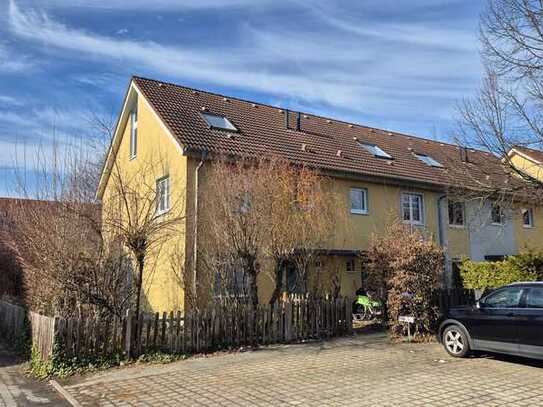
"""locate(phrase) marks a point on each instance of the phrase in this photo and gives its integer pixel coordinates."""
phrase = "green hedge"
(523, 267)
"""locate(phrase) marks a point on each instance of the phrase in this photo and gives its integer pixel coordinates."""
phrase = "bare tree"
(506, 112)
(140, 215)
(56, 230)
(268, 210)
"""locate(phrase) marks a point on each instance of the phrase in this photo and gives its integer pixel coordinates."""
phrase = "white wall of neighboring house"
(485, 238)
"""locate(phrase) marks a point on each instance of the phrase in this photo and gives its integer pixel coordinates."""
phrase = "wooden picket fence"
(12, 319)
(42, 331)
(213, 328)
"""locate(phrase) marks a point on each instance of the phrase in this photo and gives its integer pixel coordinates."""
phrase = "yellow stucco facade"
(165, 281)
(157, 156)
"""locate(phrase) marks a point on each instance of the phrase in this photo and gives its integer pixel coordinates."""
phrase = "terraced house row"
(379, 175)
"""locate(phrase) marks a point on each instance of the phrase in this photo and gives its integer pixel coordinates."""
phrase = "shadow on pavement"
(511, 359)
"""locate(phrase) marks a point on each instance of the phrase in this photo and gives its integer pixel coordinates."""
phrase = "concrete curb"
(69, 398)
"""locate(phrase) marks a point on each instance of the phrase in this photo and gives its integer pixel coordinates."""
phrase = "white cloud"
(6, 100)
(394, 70)
(122, 31)
(153, 4)
(230, 69)
(12, 61)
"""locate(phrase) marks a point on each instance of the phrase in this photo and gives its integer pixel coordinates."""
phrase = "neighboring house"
(528, 160)
(11, 264)
(380, 174)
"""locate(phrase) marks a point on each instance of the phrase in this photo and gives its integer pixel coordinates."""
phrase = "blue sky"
(400, 65)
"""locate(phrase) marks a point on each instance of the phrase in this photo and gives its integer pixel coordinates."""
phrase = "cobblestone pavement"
(364, 370)
(18, 390)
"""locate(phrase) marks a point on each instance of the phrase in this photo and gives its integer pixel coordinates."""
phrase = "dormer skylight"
(219, 122)
(376, 151)
(429, 160)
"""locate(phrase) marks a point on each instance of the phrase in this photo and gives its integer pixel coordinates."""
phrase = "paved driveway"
(18, 390)
(364, 370)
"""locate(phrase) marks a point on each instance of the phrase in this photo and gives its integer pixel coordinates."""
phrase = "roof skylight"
(429, 160)
(376, 150)
(218, 122)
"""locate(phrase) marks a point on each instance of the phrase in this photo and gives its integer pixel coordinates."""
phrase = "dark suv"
(508, 320)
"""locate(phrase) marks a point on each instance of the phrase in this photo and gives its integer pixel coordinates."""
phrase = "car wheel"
(455, 341)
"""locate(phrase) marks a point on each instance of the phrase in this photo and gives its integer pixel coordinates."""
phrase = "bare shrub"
(406, 267)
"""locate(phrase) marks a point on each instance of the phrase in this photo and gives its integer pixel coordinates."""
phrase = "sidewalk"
(18, 390)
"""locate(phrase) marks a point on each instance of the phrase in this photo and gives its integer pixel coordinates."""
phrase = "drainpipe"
(442, 233)
(195, 248)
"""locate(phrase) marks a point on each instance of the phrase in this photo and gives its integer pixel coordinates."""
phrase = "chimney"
(299, 122)
(287, 114)
(464, 154)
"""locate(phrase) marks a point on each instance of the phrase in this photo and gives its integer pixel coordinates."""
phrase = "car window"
(505, 298)
(534, 298)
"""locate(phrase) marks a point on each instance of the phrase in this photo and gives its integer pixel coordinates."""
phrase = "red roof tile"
(262, 131)
(536, 155)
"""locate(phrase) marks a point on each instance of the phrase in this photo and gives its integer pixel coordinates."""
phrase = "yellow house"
(528, 161)
(165, 134)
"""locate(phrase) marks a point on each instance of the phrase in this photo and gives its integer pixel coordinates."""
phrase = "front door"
(493, 325)
(530, 323)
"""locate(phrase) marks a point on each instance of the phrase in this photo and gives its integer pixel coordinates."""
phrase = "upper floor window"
(162, 195)
(376, 150)
(133, 133)
(456, 213)
(359, 201)
(496, 215)
(528, 218)
(412, 208)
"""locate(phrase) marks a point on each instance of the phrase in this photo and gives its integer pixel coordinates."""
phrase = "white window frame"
(364, 192)
(502, 215)
(456, 225)
(531, 217)
(166, 182)
(411, 195)
(133, 134)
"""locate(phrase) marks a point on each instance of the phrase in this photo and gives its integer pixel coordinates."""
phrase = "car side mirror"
(478, 304)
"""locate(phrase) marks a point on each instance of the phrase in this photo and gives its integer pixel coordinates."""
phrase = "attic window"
(219, 122)
(376, 151)
(429, 160)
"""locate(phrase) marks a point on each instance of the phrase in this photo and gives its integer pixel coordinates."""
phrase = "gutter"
(195, 248)
(443, 240)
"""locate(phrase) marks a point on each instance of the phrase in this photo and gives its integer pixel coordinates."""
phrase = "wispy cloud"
(10, 101)
(13, 61)
(153, 5)
(365, 71)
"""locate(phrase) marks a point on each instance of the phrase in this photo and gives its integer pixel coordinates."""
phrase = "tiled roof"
(536, 155)
(329, 144)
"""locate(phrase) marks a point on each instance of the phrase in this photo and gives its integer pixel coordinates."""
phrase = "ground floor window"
(350, 265)
(231, 281)
(528, 218)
